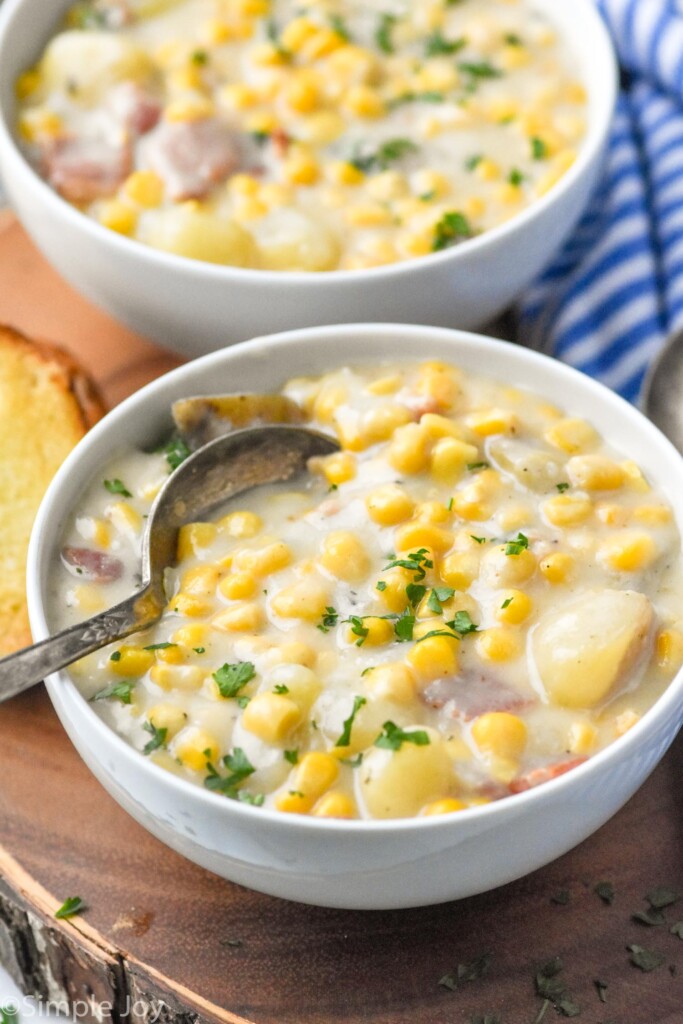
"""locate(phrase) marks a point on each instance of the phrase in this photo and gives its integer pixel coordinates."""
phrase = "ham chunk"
(83, 170)
(544, 773)
(472, 694)
(95, 566)
(192, 156)
(134, 108)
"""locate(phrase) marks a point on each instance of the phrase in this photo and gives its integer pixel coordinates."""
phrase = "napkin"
(615, 291)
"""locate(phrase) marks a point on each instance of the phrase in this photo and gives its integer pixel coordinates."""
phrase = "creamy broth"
(473, 596)
(319, 135)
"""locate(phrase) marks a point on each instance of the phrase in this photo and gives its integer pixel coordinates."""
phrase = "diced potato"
(592, 647)
(398, 783)
(86, 64)
(200, 235)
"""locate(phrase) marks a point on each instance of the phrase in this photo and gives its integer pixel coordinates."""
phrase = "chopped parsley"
(415, 592)
(512, 39)
(507, 602)
(539, 149)
(462, 623)
(437, 45)
(116, 656)
(117, 486)
(176, 451)
(383, 33)
(392, 737)
(329, 619)
(200, 58)
(119, 691)
(416, 561)
(426, 96)
(358, 629)
(479, 540)
(473, 161)
(477, 71)
(70, 907)
(453, 227)
(199, 650)
(515, 177)
(239, 767)
(404, 626)
(292, 756)
(231, 678)
(158, 738)
(562, 487)
(338, 25)
(437, 598)
(477, 465)
(159, 647)
(387, 153)
(381, 585)
(345, 737)
(280, 688)
(516, 546)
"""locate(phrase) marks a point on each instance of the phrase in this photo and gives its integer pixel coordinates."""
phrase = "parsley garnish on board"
(387, 153)
(117, 486)
(120, 691)
(453, 227)
(158, 738)
(392, 737)
(646, 959)
(551, 987)
(467, 972)
(70, 907)
(231, 678)
(345, 737)
(605, 890)
(516, 546)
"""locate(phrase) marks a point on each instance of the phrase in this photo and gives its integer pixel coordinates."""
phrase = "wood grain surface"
(164, 940)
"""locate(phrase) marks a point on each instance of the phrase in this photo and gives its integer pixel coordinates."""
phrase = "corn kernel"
(293, 653)
(243, 618)
(238, 96)
(459, 569)
(263, 122)
(368, 215)
(393, 588)
(449, 458)
(375, 632)
(194, 538)
(628, 551)
(557, 568)
(293, 802)
(439, 382)
(446, 806)
(567, 509)
(337, 468)
(27, 83)
(415, 535)
(508, 570)
(572, 435)
(500, 733)
(197, 749)
(582, 737)
(434, 657)
(167, 716)
(322, 127)
(344, 556)
(263, 561)
(306, 599)
(301, 168)
(191, 636)
(296, 32)
(335, 805)
(303, 92)
(633, 476)
(669, 650)
(408, 450)
(271, 716)
(131, 661)
(498, 644)
(612, 515)
(200, 580)
(625, 721)
(393, 682)
(315, 773)
(238, 585)
(437, 426)
(117, 216)
(177, 677)
(492, 421)
(387, 185)
(240, 524)
(487, 170)
(515, 606)
(341, 172)
(651, 515)
(267, 55)
(432, 512)
(381, 422)
(40, 124)
(191, 605)
(323, 42)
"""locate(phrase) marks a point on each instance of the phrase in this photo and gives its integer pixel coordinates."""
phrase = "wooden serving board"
(164, 940)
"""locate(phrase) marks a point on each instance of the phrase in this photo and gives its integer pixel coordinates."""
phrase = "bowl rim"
(602, 103)
(63, 689)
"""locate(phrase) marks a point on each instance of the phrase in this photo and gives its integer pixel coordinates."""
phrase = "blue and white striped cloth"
(615, 292)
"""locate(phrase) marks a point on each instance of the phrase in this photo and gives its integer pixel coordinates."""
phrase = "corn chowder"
(302, 134)
(472, 597)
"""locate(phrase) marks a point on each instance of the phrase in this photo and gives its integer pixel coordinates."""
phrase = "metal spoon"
(220, 470)
(663, 391)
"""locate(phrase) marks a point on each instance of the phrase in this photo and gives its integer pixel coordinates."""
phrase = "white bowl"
(355, 864)
(197, 307)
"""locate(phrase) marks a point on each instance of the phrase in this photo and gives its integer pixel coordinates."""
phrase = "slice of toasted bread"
(47, 402)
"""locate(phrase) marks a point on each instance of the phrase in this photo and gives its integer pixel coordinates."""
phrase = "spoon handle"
(27, 667)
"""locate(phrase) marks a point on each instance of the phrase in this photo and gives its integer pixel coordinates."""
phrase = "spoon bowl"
(216, 472)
